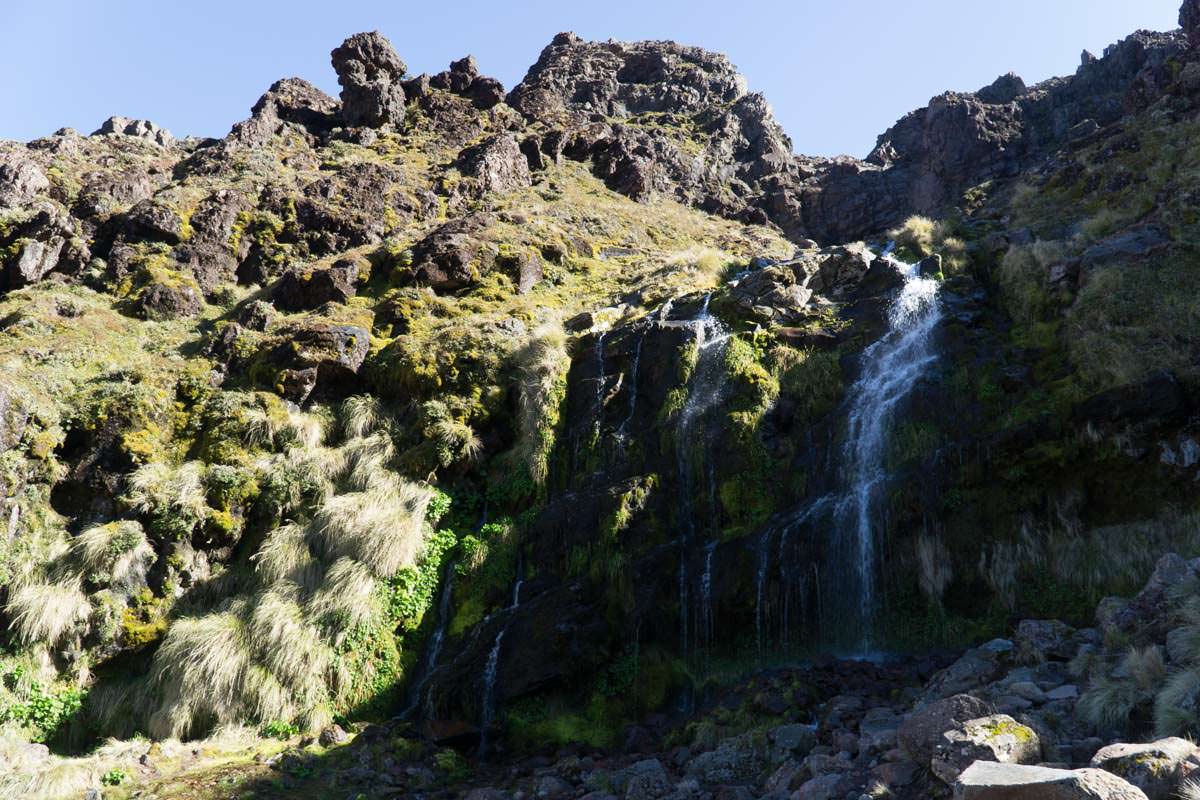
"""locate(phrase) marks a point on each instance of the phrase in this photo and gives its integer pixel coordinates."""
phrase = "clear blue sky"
(838, 72)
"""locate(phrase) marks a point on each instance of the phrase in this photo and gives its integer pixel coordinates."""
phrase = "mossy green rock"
(997, 738)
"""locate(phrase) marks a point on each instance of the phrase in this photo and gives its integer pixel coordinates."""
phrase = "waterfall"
(706, 621)
(760, 585)
(891, 367)
(599, 402)
(434, 649)
(704, 392)
(633, 386)
(492, 668)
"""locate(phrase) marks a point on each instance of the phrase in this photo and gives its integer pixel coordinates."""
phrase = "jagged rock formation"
(370, 74)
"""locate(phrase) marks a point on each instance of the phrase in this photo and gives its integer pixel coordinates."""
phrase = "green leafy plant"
(278, 729)
(114, 777)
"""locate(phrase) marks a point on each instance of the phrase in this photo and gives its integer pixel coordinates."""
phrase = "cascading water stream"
(492, 668)
(707, 628)
(704, 392)
(633, 387)
(891, 367)
(436, 640)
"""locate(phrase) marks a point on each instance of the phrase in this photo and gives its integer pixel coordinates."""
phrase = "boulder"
(1039, 640)
(443, 260)
(463, 79)
(257, 315)
(21, 179)
(497, 164)
(151, 219)
(794, 738)
(370, 74)
(308, 354)
(332, 735)
(878, 729)
(822, 787)
(355, 205)
(289, 103)
(1156, 768)
(987, 780)
(168, 301)
(45, 243)
(996, 738)
(642, 780)
(734, 761)
(921, 732)
(138, 128)
(300, 290)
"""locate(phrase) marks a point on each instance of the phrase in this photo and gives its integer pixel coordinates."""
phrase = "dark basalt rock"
(618, 79)
(155, 221)
(290, 102)
(443, 259)
(47, 242)
(1158, 397)
(354, 206)
(163, 301)
(300, 291)
(105, 192)
(316, 356)
(453, 118)
(1004, 89)
(463, 79)
(370, 74)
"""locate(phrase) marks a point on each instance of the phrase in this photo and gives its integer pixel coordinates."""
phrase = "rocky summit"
(583, 440)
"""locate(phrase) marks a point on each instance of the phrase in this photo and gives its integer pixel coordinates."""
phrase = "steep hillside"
(590, 416)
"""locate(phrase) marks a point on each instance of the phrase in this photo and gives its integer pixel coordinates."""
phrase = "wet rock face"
(370, 74)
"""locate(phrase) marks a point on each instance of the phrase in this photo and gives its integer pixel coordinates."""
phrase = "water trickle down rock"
(491, 670)
(705, 387)
(436, 640)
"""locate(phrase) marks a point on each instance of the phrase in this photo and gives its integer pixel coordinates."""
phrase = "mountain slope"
(532, 415)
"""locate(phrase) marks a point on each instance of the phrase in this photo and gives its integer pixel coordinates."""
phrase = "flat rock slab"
(987, 780)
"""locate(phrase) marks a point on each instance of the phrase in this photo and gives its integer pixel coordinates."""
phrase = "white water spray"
(891, 367)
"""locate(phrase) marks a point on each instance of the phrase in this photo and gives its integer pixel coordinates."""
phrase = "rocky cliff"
(532, 417)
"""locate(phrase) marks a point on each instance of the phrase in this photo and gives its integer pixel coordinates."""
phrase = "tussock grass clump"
(1177, 705)
(48, 612)
(274, 651)
(920, 237)
(117, 554)
(542, 367)
(1023, 277)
